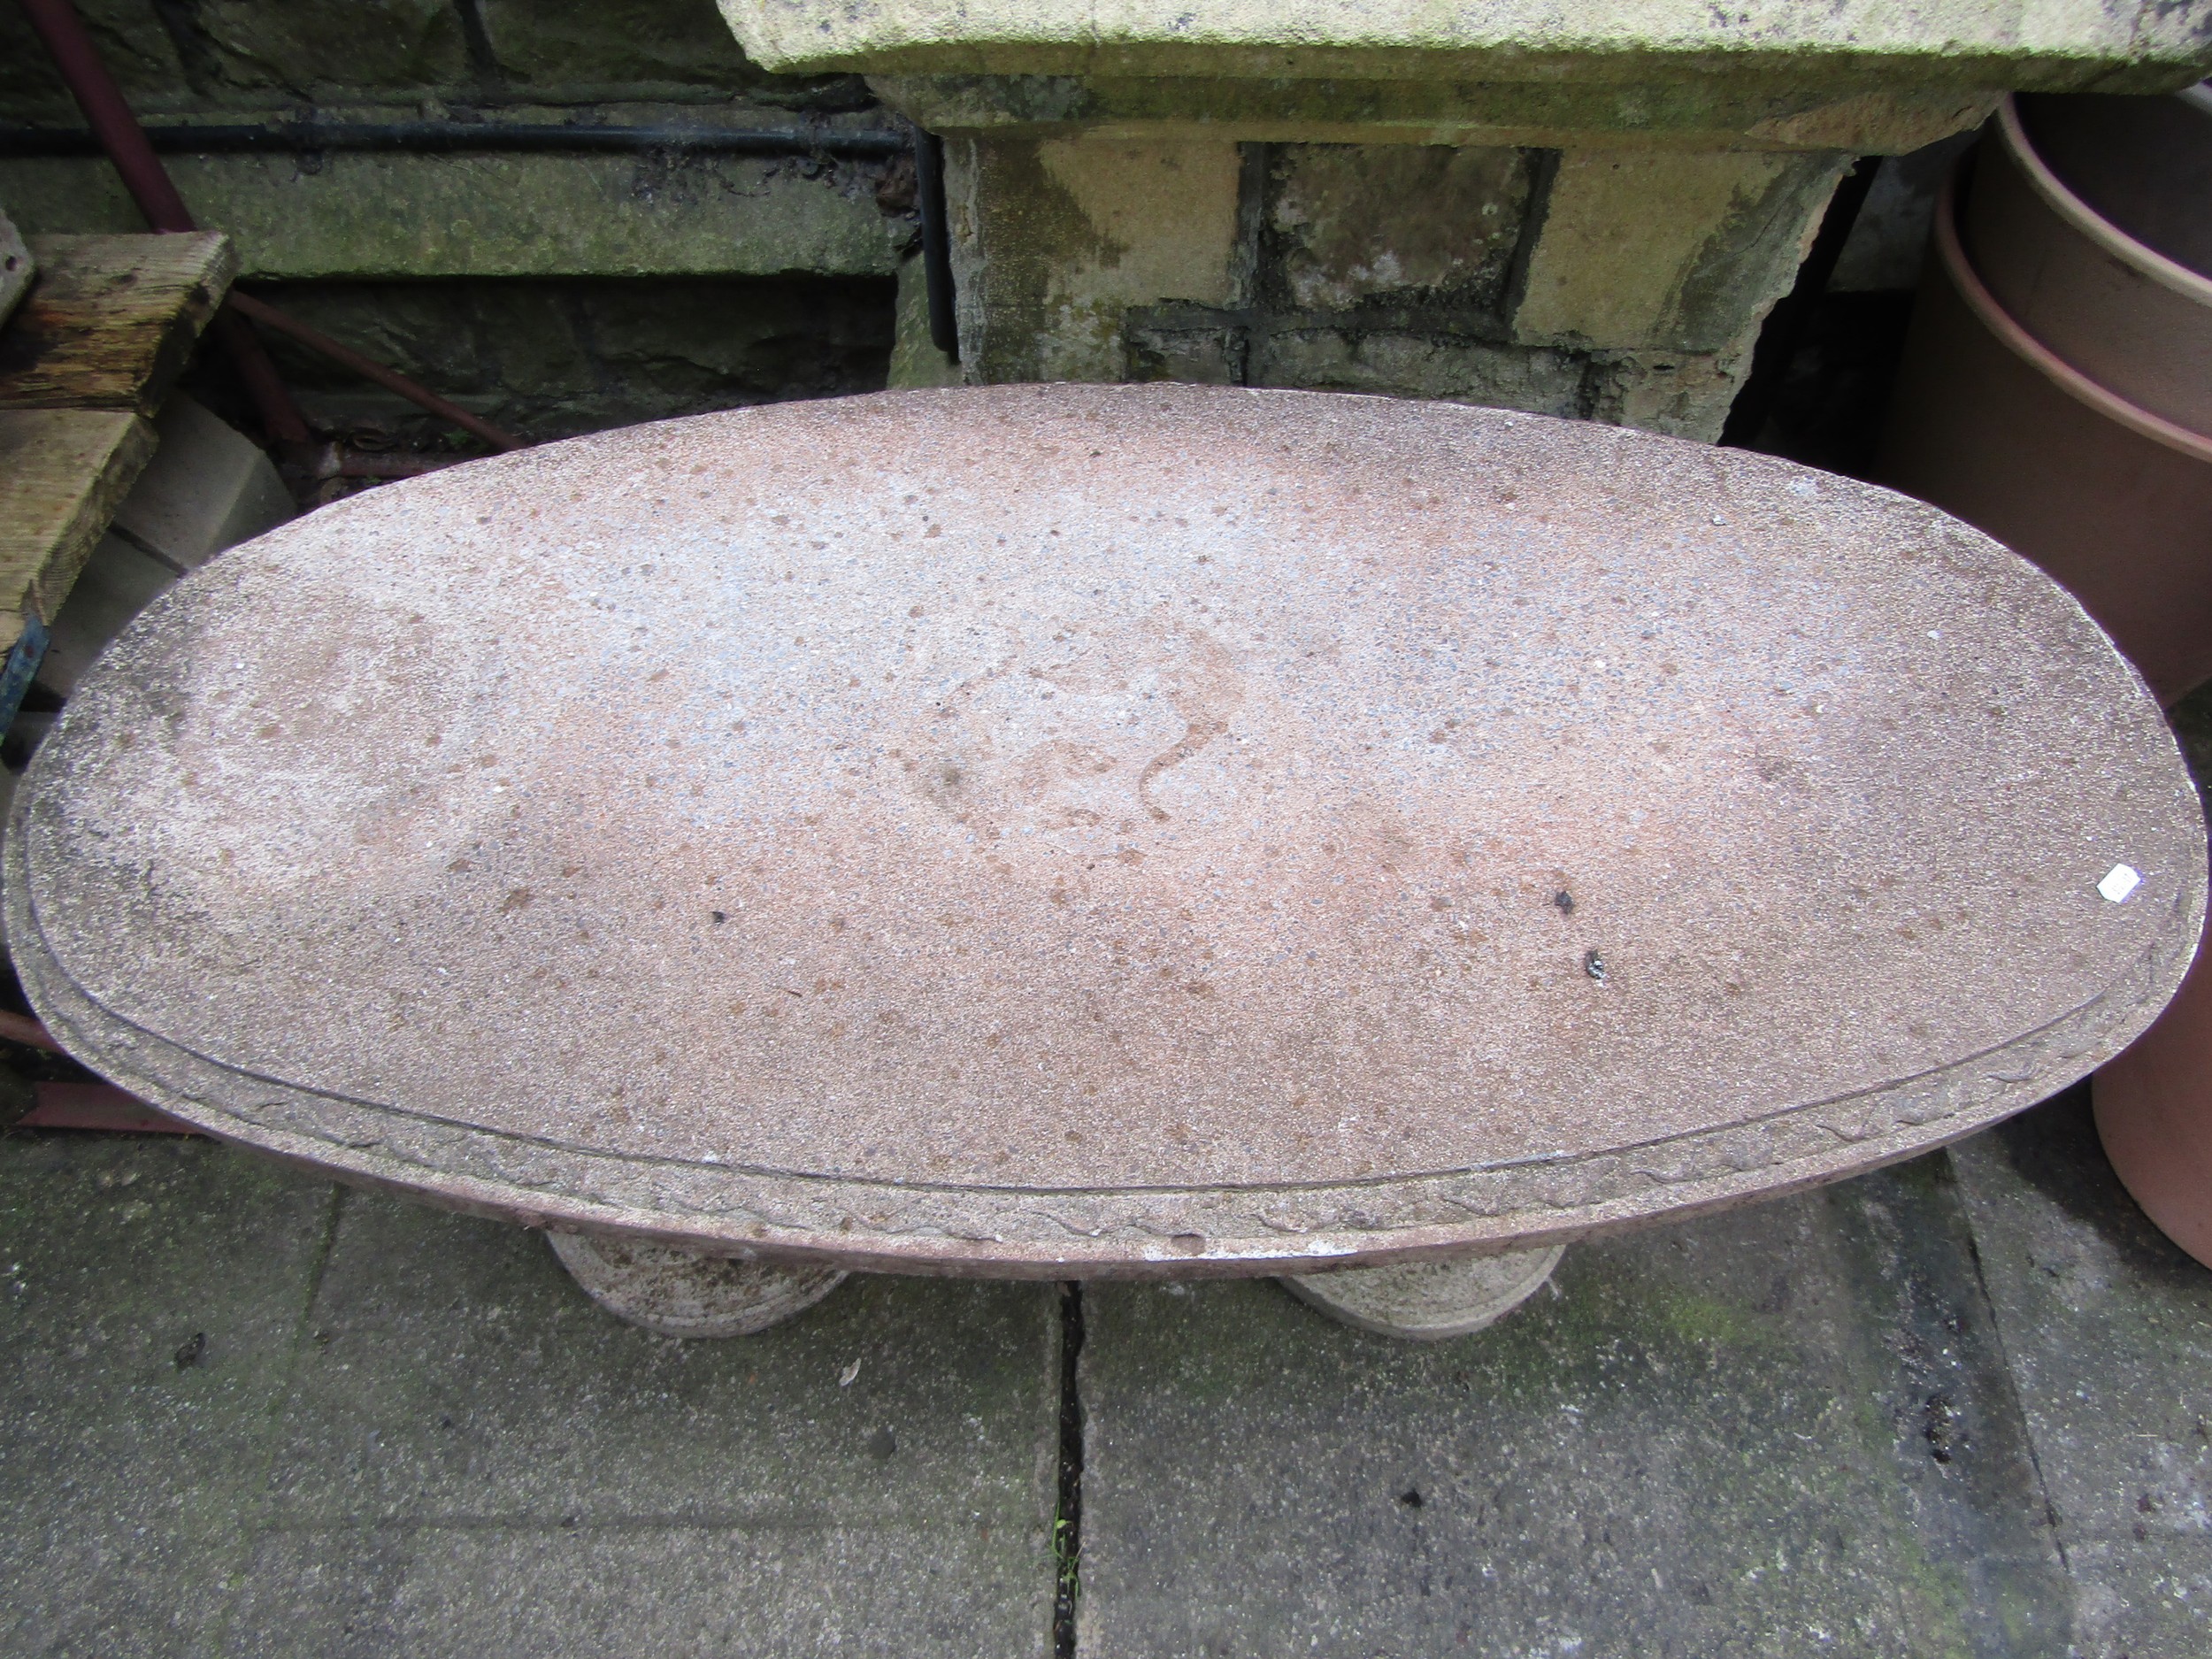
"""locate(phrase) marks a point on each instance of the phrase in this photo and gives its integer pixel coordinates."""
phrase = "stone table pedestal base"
(678, 1293)
(1427, 1301)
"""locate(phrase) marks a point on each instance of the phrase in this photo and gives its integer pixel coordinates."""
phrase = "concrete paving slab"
(244, 1414)
(477, 1458)
(1783, 1431)
(672, 1591)
(150, 1292)
(2108, 1330)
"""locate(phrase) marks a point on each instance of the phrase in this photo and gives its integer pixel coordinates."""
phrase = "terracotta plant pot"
(2153, 1109)
(2135, 319)
(2153, 1103)
(2056, 391)
(2044, 432)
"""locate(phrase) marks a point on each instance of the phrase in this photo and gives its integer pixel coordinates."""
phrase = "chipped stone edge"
(1141, 1233)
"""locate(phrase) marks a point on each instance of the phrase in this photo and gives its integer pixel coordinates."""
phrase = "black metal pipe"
(460, 137)
(929, 202)
(493, 137)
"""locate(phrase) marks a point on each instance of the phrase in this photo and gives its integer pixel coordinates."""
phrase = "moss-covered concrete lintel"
(2055, 44)
(1859, 114)
(386, 215)
(172, 58)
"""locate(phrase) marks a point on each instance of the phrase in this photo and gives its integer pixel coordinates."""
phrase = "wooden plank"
(110, 320)
(63, 473)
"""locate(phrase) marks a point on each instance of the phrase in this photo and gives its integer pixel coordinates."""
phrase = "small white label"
(2118, 883)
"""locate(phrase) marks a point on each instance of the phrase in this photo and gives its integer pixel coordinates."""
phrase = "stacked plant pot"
(2057, 392)
(2057, 385)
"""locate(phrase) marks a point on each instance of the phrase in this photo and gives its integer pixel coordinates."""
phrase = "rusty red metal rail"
(68, 1105)
(268, 316)
(98, 1106)
(23, 1029)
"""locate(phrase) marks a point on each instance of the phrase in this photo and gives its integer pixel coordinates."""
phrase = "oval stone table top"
(1081, 830)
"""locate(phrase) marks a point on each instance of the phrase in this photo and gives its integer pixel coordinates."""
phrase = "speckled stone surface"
(1106, 829)
(1975, 43)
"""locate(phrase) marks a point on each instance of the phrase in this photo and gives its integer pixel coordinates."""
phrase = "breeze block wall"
(1625, 286)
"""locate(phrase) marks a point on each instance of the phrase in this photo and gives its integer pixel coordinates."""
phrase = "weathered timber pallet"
(93, 348)
(63, 472)
(110, 320)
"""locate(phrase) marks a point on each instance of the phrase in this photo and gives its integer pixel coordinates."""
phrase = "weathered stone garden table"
(1077, 831)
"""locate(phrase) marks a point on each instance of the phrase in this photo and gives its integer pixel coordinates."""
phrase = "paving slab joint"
(1067, 1517)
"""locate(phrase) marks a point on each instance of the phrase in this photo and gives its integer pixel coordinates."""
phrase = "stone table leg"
(678, 1293)
(1426, 1302)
